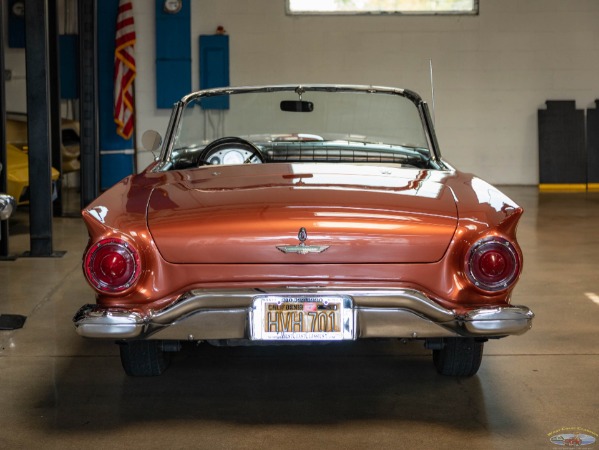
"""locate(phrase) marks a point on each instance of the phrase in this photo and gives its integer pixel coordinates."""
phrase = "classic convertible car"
(301, 214)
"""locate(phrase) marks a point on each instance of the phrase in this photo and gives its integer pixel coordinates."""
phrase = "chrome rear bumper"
(7, 206)
(224, 314)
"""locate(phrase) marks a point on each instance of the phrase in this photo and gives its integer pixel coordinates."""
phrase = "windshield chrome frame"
(179, 107)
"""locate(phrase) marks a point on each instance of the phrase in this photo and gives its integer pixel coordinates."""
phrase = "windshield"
(298, 124)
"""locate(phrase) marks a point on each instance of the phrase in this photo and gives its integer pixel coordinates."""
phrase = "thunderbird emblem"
(302, 248)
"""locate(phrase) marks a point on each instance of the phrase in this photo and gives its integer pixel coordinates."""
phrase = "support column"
(55, 109)
(38, 127)
(3, 223)
(88, 101)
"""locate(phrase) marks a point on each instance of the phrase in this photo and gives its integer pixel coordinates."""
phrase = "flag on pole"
(124, 70)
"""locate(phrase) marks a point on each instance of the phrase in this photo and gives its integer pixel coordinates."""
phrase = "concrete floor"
(58, 390)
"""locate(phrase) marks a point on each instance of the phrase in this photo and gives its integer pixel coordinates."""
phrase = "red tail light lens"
(493, 264)
(112, 265)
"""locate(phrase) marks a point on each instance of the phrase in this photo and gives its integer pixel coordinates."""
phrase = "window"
(382, 7)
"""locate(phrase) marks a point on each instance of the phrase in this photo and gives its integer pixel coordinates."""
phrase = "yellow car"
(16, 134)
(17, 174)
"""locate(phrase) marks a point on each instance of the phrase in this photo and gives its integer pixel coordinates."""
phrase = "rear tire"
(144, 358)
(460, 357)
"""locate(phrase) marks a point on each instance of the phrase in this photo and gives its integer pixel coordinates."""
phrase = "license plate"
(304, 318)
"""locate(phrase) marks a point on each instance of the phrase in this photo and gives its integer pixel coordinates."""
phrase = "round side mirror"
(151, 140)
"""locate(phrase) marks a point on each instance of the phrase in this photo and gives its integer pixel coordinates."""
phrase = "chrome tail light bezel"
(130, 256)
(507, 251)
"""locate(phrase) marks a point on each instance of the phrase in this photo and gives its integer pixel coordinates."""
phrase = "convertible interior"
(297, 148)
(289, 124)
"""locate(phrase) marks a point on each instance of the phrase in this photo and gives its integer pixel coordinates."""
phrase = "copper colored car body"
(299, 214)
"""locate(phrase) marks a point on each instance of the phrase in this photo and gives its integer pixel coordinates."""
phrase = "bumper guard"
(223, 314)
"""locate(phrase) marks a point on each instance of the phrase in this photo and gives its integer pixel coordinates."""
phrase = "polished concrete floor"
(60, 391)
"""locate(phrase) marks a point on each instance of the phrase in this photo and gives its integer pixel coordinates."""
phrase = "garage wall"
(14, 61)
(492, 71)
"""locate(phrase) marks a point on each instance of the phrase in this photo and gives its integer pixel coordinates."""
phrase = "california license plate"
(318, 318)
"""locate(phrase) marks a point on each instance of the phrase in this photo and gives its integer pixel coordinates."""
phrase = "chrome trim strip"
(169, 137)
(411, 95)
(302, 249)
(427, 121)
(223, 314)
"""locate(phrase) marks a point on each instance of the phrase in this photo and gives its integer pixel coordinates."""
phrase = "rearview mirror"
(151, 140)
(297, 106)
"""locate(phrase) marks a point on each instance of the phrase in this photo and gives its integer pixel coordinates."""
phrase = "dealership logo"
(573, 437)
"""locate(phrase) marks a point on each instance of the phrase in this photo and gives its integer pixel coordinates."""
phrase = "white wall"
(492, 71)
(14, 60)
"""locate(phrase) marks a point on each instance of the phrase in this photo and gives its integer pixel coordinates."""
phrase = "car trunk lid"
(302, 213)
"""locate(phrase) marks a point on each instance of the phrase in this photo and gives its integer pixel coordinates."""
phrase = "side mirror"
(151, 140)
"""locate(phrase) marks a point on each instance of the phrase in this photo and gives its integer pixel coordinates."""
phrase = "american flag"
(124, 70)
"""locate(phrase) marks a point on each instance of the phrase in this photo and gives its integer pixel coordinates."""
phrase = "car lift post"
(39, 131)
(3, 223)
(7, 321)
(88, 101)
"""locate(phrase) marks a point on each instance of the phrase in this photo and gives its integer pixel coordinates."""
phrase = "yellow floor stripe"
(593, 187)
(562, 187)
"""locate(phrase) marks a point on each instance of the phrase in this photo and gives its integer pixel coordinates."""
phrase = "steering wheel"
(230, 150)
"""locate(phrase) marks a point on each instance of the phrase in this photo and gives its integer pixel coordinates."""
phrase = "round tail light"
(493, 264)
(112, 265)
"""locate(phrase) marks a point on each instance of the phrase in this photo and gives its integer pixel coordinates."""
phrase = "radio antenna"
(430, 63)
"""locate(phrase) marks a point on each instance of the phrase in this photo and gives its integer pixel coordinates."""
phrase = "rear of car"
(302, 214)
